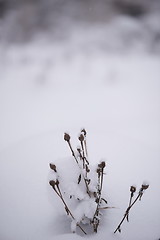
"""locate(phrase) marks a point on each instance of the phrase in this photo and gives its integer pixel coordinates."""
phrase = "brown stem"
(82, 157)
(82, 149)
(85, 144)
(73, 154)
(130, 201)
(98, 201)
(67, 209)
(127, 211)
(87, 188)
(85, 163)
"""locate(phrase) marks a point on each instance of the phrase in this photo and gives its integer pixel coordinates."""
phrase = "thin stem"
(127, 211)
(85, 163)
(87, 186)
(85, 144)
(130, 201)
(82, 149)
(73, 154)
(80, 155)
(67, 209)
(98, 201)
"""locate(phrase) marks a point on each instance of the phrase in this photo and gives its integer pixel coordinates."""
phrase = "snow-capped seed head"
(145, 186)
(81, 137)
(52, 183)
(145, 183)
(66, 137)
(102, 165)
(132, 189)
(53, 167)
(84, 132)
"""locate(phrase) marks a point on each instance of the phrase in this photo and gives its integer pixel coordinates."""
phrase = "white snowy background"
(100, 78)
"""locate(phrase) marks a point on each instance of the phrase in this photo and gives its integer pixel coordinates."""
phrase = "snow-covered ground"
(48, 88)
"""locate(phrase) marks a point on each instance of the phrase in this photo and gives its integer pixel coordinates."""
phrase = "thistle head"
(67, 137)
(145, 185)
(132, 189)
(53, 167)
(54, 183)
(84, 132)
(81, 138)
(102, 165)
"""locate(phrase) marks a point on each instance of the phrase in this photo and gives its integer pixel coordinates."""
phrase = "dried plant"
(87, 205)
(91, 195)
(55, 186)
(132, 202)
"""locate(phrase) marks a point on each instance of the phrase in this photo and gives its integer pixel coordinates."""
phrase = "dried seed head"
(145, 186)
(81, 138)
(132, 189)
(102, 165)
(84, 132)
(53, 167)
(52, 183)
(66, 137)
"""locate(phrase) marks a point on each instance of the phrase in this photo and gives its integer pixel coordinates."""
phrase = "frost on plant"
(83, 202)
(81, 191)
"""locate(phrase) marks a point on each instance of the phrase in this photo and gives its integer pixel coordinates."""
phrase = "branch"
(143, 187)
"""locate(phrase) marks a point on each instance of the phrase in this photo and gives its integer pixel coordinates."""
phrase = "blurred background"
(118, 23)
(67, 64)
(73, 46)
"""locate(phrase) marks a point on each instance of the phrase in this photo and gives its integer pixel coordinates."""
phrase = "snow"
(49, 88)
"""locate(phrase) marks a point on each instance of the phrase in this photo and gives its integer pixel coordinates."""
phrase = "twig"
(100, 170)
(67, 139)
(85, 161)
(85, 142)
(58, 191)
(143, 187)
(132, 190)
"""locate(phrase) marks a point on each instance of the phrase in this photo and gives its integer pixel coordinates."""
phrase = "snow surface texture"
(47, 89)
